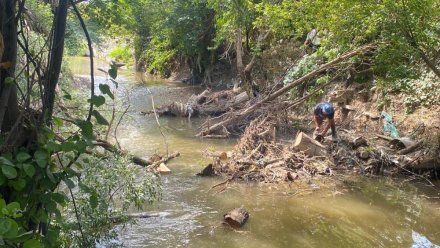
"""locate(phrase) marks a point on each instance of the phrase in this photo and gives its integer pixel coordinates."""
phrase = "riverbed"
(347, 212)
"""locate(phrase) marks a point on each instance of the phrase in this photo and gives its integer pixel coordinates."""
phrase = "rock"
(359, 141)
(207, 172)
(163, 169)
(363, 154)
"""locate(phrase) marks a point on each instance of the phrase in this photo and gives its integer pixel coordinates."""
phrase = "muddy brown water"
(358, 212)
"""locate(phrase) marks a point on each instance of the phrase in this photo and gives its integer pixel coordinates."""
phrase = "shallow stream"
(358, 212)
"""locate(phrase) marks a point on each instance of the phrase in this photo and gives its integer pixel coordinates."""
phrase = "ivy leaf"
(41, 158)
(86, 129)
(59, 198)
(68, 146)
(12, 228)
(19, 184)
(9, 171)
(97, 100)
(113, 72)
(23, 156)
(6, 161)
(57, 121)
(29, 169)
(52, 146)
(70, 184)
(32, 243)
(93, 200)
(99, 118)
(104, 88)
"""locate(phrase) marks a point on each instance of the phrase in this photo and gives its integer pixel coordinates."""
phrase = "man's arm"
(331, 122)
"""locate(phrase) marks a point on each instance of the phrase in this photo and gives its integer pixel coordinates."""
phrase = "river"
(355, 212)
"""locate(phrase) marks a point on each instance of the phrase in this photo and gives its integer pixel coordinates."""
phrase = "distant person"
(312, 40)
(324, 110)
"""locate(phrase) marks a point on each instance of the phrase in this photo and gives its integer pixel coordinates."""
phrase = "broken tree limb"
(135, 159)
(410, 149)
(309, 146)
(285, 89)
(237, 217)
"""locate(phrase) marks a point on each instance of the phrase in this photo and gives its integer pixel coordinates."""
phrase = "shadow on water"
(358, 212)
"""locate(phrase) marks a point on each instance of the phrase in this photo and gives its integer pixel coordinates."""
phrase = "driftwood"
(284, 90)
(153, 161)
(410, 149)
(309, 146)
(237, 217)
(207, 103)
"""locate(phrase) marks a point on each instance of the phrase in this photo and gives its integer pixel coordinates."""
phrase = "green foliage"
(122, 54)
(107, 187)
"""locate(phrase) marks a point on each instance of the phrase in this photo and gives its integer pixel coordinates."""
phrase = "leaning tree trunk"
(56, 57)
(9, 111)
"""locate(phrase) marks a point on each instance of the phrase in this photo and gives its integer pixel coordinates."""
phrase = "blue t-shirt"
(324, 105)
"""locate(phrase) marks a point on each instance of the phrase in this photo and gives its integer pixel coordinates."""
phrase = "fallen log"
(135, 159)
(236, 218)
(309, 146)
(284, 90)
(410, 149)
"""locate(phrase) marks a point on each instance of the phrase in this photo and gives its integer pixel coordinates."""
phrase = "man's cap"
(328, 109)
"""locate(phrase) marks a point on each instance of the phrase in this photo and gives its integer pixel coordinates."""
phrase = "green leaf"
(81, 146)
(29, 169)
(12, 229)
(5, 225)
(99, 118)
(9, 172)
(32, 243)
(97, 100)
(70, 184)
(59, 198)
(41, 158)
(67, 96)
(68, 146)
(23, 156)
(105, 89)
(6, 161)
(113, 72)
(50, 175)
(86, 129)
(57, 121)
(52, 146)
(19, 184)
(93, 200)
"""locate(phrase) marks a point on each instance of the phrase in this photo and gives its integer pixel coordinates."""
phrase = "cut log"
(237, 217)
(309, 146)
(163, 169)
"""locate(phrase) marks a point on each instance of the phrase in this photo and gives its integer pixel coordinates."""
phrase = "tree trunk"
(56, 57)
(309, 146)
(237, 217)
(9, 111)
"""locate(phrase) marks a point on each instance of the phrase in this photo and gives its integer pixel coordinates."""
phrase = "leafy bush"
(122, 54)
